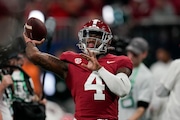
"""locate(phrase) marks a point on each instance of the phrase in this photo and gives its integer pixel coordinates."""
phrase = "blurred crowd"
(155, 20)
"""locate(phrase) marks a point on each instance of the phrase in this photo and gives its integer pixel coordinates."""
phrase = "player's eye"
(91, 33)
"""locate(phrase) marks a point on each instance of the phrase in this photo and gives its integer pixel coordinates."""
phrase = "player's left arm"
(118, 83)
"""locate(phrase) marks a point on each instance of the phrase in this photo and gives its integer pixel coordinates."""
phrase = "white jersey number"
(98, 86)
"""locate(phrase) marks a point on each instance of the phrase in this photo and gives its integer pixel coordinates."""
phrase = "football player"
(95, 78)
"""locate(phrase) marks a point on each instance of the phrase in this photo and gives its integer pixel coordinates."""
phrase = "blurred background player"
(102, 78)
(134, 105)
(169, 87)
(163, 60)
(159, 68)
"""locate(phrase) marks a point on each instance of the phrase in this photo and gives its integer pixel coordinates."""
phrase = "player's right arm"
(168, 80)
(46, 61)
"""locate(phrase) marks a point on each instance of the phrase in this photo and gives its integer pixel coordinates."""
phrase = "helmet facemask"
(96, 40)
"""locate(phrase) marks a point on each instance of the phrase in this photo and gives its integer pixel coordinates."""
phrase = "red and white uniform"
(93, 99)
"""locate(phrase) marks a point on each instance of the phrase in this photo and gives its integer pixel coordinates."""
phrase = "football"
(35, 29)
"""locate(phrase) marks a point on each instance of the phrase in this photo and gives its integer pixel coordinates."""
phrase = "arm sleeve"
(118, 84)
(126, 62)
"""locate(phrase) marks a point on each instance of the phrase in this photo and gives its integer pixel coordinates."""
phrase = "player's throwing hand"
(35, 42)
(93, 63)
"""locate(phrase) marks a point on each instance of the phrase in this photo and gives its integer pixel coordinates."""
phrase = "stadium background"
(156, 20)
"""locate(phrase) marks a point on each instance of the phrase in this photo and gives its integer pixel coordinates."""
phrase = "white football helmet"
(98, 31)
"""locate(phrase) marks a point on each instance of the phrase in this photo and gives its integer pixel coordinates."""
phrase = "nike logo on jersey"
(109, 62)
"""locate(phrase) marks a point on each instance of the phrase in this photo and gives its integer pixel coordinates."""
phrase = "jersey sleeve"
(67, 56)
(124, 61)
(73, 58)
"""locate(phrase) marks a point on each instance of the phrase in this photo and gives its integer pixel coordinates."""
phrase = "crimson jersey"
(93, 99)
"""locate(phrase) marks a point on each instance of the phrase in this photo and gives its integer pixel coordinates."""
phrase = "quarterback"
(95, 78)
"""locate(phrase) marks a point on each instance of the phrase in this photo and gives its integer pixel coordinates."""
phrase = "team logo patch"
(78, 60)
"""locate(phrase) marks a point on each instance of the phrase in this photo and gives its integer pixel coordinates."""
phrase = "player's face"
(94, 41)
(136, 59)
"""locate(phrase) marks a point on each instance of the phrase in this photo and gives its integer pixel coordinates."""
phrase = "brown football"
(35, 29)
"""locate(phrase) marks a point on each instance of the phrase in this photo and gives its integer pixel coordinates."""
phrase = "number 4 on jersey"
(98, 86)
